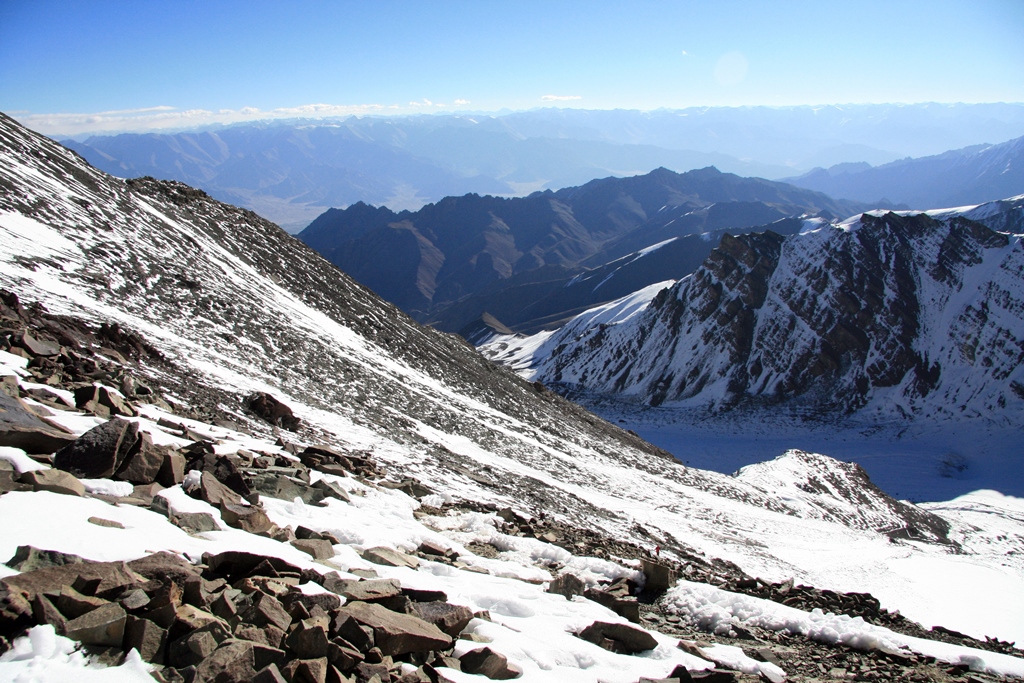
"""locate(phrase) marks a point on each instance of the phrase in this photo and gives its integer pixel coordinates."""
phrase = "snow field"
(717, 610)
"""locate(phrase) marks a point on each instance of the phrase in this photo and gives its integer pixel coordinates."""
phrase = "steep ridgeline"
(972, 175)
(227, 304)
(424, 261)
(906, 314)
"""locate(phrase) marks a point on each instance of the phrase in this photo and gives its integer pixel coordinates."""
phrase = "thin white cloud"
(560, 98)
(165, 117)
(461, 102)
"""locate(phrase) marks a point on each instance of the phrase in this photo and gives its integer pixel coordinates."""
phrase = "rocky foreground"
(246, 616)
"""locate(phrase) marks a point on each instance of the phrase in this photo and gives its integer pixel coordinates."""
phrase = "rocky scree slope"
(298, 609)
(230, 307)
(903, 314)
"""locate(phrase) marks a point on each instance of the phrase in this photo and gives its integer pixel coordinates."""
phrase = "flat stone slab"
(394, 633)
(21, 428)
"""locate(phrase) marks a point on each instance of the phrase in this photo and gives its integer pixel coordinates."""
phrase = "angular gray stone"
(45, 612)
(397, 634)
(103, 626)
(284, 487)
(55, 481)
(266, 609)
(269, 674)
(37, 346)
(624, 606)
(102, 401)
(99, 452)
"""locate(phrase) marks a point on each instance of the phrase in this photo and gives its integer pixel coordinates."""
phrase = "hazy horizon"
(105, 66)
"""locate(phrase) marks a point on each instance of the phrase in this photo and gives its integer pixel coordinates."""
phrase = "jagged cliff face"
(903, 313)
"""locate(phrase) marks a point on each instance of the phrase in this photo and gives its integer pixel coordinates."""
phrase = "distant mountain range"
(971, 175)
(536, 260)
(291, 171)
(893, 314)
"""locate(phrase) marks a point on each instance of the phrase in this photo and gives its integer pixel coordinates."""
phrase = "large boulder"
(99, 452)
(394, 633)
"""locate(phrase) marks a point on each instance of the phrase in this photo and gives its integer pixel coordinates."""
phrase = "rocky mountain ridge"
(976, 174)
(899, 313)
(428, 260)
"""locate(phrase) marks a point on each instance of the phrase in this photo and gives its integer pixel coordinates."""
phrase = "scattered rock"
(245, 517)
(21, 428)
(397, 634)
(28, 558)
(487, 662)
(318, 549)
(147, 637)
(451, 619)
(568, 585)
(194, 522)
(143, 462)
(102, 626)
(658, 577)
(273, 411)
(390, 557)
(102, 401)
(99, 521)
(618, 637)
(362, 590)
(56, 481)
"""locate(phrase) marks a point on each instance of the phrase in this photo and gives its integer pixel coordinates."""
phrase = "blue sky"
(68, 67)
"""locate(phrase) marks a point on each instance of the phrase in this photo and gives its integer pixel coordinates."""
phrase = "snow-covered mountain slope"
(889, 314)
(234, 305)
